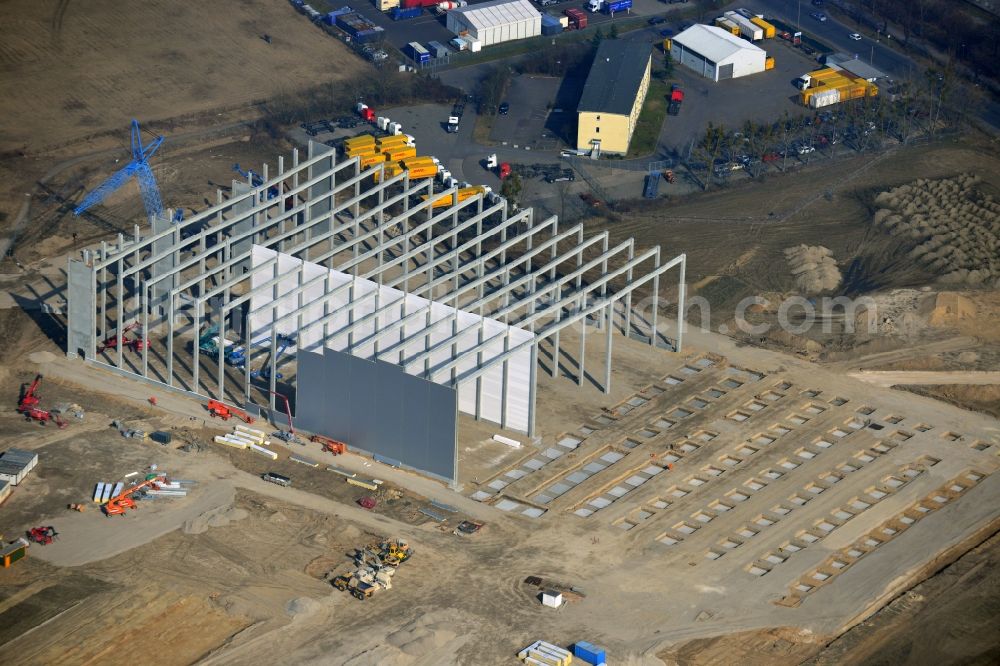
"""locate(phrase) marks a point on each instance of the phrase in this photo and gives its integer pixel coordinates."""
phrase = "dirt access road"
(915, 377)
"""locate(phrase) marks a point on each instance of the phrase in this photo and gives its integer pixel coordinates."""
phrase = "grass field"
(654, 110)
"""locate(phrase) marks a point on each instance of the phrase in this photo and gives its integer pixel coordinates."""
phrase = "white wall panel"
(267, 307)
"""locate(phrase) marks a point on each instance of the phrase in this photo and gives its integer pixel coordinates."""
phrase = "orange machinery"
(117, 505)
(217, 409)
(329, 445)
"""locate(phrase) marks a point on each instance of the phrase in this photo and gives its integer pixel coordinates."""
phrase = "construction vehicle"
(208, 343)
(668, 175)
(502, 169)
(283, 342)
(286, 435)
(136, 344)
(117, 505)
(42, 535)
(329, 445)
(28, 405)
(375, 567)
(394, 552)
(216, 409)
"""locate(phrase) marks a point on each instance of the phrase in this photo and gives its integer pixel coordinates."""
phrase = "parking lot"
(542, 112)
(431, 27)
(760, 97)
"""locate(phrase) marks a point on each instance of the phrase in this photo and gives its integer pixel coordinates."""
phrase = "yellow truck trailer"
(399, 153)
(827, 86)
(726, 24)
(394, 141)
(463, 194)
(768, 28)
(391, 169)
(358, 141)
(371, 160)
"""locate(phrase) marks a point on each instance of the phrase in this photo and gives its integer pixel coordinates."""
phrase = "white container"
(395, 128)
(552, 599)
(118, 489)
(382, 122)
(475, 46)
(226, 441)
(361, 106)
(99, 492)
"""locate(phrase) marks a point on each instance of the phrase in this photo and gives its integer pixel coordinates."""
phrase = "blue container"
(370, 35)
(550, 25)
(616, 6)
(403, 13)
(419, 54)
(589, 652)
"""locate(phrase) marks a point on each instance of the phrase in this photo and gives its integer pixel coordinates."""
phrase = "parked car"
(546, 3)
(666, 32)
(771, 157)
(855, 36)
(805, 149)
(819, 16)
(504, 109)
(817, 3)
(657, 20)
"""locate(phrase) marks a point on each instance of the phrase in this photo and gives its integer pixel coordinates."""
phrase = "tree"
(711, 145)
(598, 37)
(613, 32)
(668, 66)
(511, 187)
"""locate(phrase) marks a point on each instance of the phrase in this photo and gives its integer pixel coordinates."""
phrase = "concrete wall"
(377, 408)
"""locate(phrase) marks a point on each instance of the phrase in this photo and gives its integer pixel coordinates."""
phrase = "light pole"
(798, 21)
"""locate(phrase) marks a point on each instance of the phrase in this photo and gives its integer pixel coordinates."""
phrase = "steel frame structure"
(474, 255)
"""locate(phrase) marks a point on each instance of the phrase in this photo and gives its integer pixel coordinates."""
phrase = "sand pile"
(955, 227)
(948, 308)
(814, 268)
(219, 517)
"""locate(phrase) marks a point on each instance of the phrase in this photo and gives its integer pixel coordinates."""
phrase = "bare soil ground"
(75, 69)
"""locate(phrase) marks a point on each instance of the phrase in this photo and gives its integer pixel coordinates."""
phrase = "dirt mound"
(302, 606)
(219, 517)
(41, 357)
(814, 268)
(948, 308)
(955, 228)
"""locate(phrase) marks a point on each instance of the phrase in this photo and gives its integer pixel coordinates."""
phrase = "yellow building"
(612, 97)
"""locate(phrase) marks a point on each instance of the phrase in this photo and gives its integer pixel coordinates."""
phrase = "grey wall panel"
(378, 408)
(81, 309)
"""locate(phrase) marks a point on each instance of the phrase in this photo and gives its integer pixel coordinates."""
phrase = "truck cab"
(594, 5)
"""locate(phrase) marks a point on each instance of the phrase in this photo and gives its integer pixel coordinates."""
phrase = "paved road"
(926, 377)
(876, 53)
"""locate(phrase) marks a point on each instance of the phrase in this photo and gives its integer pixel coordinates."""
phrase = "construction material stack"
(541, 653)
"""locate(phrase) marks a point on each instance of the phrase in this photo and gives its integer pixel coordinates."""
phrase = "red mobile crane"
(117, 505)
(28, 405)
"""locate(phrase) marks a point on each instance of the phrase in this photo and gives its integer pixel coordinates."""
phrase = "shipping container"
(403, 13)
(769, 62)
(371, 160)
(463, 194)
(331, 17)
(769, 29)
(390, 170)
(420, 3)
(459, 44)
(577, 19)
(386, 5)
(437, 49)
(6, 487)
(417, 52)
(589, 653)
(616, 6)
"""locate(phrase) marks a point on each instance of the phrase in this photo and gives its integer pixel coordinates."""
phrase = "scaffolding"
(475, 256)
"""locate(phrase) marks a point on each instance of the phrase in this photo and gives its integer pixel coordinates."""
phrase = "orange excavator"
(117, 505)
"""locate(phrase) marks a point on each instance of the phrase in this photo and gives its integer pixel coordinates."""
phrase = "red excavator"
(136, 344)
(28, 405)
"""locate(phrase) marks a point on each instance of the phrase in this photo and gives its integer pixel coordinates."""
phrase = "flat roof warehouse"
(615, 77)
